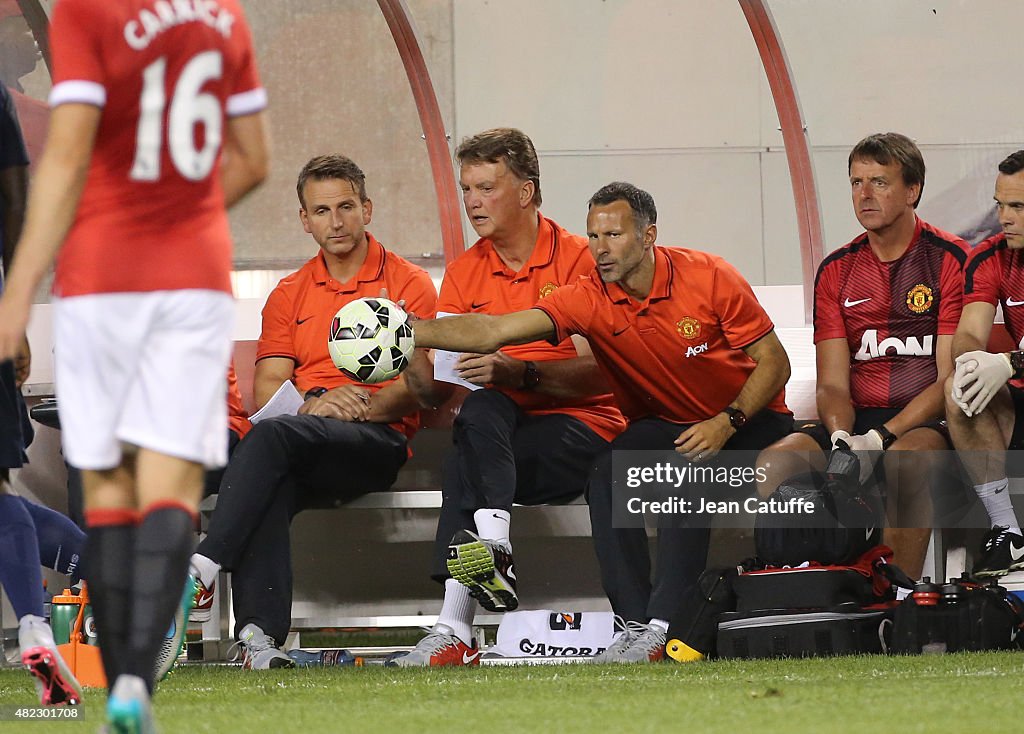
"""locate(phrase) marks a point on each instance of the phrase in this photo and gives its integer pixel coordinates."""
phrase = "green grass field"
(956, 693)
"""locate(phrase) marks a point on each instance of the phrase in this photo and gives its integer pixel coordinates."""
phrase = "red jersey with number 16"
(166, 74)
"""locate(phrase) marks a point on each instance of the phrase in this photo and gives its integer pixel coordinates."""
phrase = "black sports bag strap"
(896, 575)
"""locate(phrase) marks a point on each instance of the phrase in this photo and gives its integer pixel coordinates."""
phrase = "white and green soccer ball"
(371, 340)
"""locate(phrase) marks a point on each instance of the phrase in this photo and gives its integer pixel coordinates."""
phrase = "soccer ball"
(370, 340)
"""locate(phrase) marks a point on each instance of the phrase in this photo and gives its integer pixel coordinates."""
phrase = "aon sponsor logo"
(694, 351)
(870, 347)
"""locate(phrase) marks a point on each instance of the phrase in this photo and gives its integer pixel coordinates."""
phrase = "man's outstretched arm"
(482, 333)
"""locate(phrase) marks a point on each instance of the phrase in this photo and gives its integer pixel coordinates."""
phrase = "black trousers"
(283, 466)
(15, 428)
(501, 455)
(682, 553)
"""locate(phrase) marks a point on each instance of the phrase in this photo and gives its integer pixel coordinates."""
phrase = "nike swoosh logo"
(1015, 552)
(616, 333)
(299, 322)
(1011, 302)
(467, 658)
(868, 532)
(203, 598)
(479, 305)
(510, 572)
(848, 303)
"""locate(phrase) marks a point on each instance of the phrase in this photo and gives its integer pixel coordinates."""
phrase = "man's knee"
(480, 407)
(267, 432)
(908, 472)
(786, 457)
(954, 414)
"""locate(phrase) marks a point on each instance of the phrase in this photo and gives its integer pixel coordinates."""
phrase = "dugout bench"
(367, 566)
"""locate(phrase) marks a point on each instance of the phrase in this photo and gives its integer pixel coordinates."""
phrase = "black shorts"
(762, 430)
(952, 492)
(864, 420)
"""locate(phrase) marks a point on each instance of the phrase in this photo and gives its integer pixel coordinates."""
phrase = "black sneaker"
(485, 568)
(1001, 552)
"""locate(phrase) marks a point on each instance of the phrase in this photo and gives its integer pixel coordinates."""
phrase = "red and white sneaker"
(55, 683)
(440, 647)
(202, 608)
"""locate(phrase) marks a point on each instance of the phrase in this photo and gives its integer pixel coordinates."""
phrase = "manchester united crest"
(546, 290)
(919, 298)
(688, 328)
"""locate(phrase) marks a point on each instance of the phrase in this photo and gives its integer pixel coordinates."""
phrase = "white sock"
(660, 624)
(996, 498)
(493, 525)
(206, 568)
(458, 610)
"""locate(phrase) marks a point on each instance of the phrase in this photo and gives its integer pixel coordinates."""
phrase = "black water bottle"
(953, 592)
(927, 596)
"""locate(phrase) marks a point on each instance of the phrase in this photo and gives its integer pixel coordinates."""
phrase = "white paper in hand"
(286, 401)
(445, 361)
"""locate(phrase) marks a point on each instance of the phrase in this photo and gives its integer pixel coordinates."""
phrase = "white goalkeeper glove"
(978, 377)
(838, 436)
(867, 446)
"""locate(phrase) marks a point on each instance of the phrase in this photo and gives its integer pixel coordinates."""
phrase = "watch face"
(1017, 361)
(737, 418)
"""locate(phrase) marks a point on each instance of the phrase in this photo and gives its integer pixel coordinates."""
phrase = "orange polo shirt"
(478, 281)
(679, 354)
(238, 419)
(298, 313)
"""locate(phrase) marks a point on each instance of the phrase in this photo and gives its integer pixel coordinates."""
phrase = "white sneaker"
(638, 643)
(259, 651)
(439, 648)
(55, 684)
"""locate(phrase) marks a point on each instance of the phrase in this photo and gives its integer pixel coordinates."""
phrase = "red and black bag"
(813, 610)
(797, 612)
(866, 581)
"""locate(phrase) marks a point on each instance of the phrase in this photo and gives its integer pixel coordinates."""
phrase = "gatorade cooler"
(63, 613)
(74, 630)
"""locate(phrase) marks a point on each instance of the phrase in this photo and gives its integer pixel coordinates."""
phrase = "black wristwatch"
(737, 418)
(1017, 363)
(531, 376)
(888, 437)
(315, 392)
